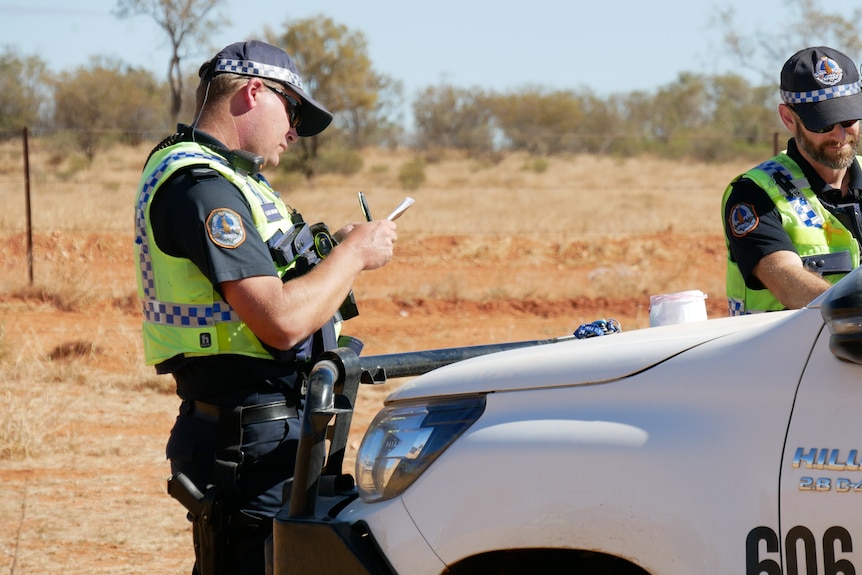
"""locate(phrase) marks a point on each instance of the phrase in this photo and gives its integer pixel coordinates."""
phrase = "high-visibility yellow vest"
(811, 227)
(182, 311)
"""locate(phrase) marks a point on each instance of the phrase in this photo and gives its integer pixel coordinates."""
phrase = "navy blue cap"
(822, 86)
(256, 58)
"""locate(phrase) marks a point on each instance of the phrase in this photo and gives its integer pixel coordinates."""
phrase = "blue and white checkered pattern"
(155, 311)
(807, 215)
(735, 307)
(821, 95)
(187, 315)
(251, 68)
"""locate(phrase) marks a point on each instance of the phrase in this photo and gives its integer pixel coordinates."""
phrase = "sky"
(600, 46)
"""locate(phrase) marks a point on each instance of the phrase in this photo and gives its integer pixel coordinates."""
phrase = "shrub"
(537, 165)
(412, 174)
(341, 161)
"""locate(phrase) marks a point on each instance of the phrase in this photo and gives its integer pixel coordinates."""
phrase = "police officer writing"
(239, 294)
(792, 224)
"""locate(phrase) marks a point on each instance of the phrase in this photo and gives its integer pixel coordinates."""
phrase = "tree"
(381, 126)
(451, 117)
(184, 21)
(538, 121)
(704, 117)
(105, 98)
(743, 112)
(766, 48)
(336, 71)
(543, 122)
(680, 107)
(23, 85)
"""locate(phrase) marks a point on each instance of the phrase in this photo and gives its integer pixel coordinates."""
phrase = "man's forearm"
(792, 284)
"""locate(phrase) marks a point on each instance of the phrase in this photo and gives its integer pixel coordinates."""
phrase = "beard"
(837, 160)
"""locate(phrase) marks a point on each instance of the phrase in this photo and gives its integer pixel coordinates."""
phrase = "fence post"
(27, 205)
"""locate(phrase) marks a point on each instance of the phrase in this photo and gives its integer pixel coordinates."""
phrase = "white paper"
(402, 207)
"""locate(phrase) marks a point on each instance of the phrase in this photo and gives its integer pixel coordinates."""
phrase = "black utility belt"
(823, 264)
(248, 414)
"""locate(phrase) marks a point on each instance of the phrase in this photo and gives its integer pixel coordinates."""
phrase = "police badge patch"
(225, 228)
(828, 72)
(743, 219)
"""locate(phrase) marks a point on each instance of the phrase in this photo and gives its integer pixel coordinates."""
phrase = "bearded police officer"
(792, 224)
(239, 294)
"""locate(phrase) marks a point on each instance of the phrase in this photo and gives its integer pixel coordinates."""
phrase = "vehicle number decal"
(801, 546)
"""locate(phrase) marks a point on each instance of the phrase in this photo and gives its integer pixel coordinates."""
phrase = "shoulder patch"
(743, 219)
(225, 228)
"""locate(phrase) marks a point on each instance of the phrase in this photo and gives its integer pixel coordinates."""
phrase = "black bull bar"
(305, 537)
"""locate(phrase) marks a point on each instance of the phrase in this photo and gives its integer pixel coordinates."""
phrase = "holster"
(210, 532)
(222, 531)
(210, 521)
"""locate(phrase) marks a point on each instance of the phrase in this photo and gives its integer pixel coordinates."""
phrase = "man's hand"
(284, 314)
(372, 242)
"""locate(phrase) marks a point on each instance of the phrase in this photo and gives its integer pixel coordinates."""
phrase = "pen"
(364, 205)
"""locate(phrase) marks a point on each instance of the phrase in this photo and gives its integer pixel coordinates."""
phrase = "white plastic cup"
(679, 307)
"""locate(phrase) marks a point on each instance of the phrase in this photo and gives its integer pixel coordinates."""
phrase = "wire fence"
(44, 165)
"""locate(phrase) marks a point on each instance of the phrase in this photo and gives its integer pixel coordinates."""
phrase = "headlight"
(404, 439)
(851, 325)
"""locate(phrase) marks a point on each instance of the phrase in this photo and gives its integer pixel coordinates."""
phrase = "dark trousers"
(269, 454)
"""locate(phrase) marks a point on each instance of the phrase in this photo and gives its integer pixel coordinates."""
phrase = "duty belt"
(248, 415)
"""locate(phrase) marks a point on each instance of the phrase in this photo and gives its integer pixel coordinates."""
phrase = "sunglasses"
(291, 105)
(825, 130)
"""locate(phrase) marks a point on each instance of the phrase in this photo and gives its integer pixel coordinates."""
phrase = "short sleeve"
(201, 216)
(753, 228)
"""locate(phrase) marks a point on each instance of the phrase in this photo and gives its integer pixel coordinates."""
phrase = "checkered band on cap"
(251, 68)
(820, 95)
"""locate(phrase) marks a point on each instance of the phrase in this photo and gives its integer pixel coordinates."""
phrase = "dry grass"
(572, 196)
(81, 474)
(78, 407)
(603, 215)
(573, 209)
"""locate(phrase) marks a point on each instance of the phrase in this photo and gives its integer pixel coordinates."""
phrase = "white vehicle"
(727, 446)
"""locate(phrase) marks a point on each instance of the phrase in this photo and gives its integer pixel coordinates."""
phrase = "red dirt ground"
(90, 497)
